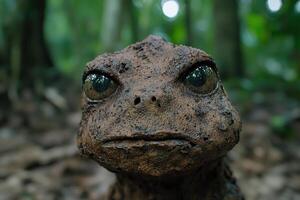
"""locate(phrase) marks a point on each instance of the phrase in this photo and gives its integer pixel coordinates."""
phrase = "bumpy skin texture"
(161, 139)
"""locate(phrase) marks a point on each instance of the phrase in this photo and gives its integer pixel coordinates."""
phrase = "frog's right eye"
(97, 86)
(202, 79)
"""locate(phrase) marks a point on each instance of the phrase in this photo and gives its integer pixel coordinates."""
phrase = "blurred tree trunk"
(112, 24)
(27, 53)
(114, 16)
(33, 49)
(228, 53)
(188, 22)
(133, 20)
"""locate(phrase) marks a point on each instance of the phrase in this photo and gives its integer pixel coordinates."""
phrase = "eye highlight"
(202, 79)
(97, 86)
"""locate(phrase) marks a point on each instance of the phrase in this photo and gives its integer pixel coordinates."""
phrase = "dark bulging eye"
(98, 86)
(201, 79)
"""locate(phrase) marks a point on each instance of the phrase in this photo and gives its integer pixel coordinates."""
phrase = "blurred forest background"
(44, 45)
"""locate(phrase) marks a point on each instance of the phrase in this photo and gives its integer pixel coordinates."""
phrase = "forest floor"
(39, 157)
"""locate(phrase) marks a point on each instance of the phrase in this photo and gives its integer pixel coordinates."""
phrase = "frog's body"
(163, 140)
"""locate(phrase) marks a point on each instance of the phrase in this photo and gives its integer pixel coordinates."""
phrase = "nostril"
(137, 100)
(153, 98)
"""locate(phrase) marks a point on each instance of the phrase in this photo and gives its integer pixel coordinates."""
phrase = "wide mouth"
(154, 138)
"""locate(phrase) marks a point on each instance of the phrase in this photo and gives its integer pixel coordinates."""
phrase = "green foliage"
(271, 41)
(281, 126)
(73, 32)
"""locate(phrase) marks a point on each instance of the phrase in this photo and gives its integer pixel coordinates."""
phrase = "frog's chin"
(153, 158)
(158, 154)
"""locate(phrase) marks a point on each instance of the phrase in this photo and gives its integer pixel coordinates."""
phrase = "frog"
(156, 114)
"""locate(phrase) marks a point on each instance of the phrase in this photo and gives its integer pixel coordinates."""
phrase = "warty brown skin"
(161, 139)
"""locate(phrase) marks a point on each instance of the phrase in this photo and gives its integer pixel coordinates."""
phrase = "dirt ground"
(39, 158)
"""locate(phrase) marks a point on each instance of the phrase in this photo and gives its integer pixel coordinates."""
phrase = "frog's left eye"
(98, 86)
(202, 79)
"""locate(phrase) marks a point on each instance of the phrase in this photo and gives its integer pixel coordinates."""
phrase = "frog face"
(155, 109)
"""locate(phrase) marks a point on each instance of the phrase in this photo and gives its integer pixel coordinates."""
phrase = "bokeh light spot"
(170, 8)
(274, 5)
(297, 7)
